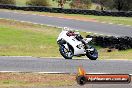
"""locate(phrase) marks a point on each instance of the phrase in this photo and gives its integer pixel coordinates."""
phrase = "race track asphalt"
(88, 26)
(32, 64)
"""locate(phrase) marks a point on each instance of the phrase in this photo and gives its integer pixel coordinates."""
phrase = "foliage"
(61, 2)
(104, 4)
(7, 2)
(81, 4)
(120, 5)
(123, 5)
(38, 3)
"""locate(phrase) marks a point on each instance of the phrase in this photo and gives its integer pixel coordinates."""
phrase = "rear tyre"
(67, 54)
(92, 55)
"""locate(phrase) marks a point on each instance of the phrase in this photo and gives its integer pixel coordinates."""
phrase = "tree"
(81, 4)
(124, 5)
(7, 2)
(61, 2)
(119, 4)
(104, 4)
(37, 3)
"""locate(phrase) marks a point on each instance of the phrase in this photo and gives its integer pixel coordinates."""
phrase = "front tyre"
(92, 55)
(81, 80)
(66, 53)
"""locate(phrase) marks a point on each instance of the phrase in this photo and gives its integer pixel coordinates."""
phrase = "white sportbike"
(73, 44)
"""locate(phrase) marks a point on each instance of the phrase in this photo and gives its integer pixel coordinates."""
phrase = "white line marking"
(111, 23)
(101, 34)
(128, 25)
(50, 72)
(34, 14)
(103, 22)
(119, 59)
(9, 71)
(89, 32)
(120, 24)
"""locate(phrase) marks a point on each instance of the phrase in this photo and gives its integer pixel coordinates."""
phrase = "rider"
(73, 33)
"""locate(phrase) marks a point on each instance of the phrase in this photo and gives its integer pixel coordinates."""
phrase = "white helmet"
(66, 28)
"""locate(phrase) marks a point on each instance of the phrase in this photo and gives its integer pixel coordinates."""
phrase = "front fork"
(88, 48)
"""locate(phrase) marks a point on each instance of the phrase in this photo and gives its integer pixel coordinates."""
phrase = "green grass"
(26, 42)
(21, 2)
(115, 54)
(10, 83)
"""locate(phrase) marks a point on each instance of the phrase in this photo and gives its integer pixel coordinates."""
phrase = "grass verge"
(103, 54)
(21, 2)
(24, 39)
(19, 80)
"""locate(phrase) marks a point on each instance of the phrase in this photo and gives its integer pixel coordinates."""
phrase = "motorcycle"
(71, 44)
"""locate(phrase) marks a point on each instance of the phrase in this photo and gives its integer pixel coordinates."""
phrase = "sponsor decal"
(83, 78)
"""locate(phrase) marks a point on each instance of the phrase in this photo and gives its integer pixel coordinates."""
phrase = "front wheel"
(66, 53)
(81, 80)
(93, 54)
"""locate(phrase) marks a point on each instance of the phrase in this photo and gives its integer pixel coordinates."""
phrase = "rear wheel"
(66, 53)
(93, 54)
